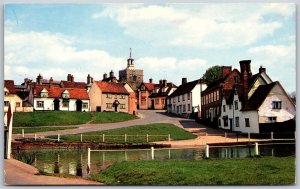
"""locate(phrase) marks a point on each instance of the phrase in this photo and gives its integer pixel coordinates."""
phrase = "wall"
(286, 112)
(181, 103)
(13, 99)
(95, 97)
(111, 100)
(144, 94)
(48, 103)
(161, 103)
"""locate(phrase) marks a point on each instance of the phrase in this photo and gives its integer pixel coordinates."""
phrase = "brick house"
(106, 96)
(132, 99)
(217, 90)
(144, 91)
(11, 97)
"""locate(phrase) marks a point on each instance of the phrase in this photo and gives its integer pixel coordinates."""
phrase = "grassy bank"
(246, 171)
(58, 118)
(175, 132)
(39, 129)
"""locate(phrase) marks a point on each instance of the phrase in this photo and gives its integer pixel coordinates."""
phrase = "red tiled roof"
(10, 85)
(68, 84)
(115, 88)
(149, 86)
(56, 92)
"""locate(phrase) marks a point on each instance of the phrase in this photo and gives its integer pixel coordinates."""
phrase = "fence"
(105, 138)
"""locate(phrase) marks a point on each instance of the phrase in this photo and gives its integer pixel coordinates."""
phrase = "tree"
(213, 73)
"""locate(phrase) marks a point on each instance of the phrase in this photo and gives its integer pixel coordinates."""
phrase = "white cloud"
(54, 55)
(198, 25)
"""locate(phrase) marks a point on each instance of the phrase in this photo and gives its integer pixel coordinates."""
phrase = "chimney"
(104, 76)
(50, 82)
(39, 79)
(184, 80)
(164, 82)
(92, 80)
(111, 74)
(225, 71)
(262, 69)
(72, 78)
(88, 79)
(150, 80)
(69, 77)
(245, 87)
(160, 82)
(245, 65)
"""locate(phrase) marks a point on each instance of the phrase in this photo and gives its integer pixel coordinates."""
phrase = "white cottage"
(267, 104)
(57, 98)
(186, 99)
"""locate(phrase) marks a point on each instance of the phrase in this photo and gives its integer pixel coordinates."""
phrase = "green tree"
(213, 73)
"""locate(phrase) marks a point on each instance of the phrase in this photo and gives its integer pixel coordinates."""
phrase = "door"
(79, 105)
(152, 104)
(56, 104)
(230, 123)
(116, 107)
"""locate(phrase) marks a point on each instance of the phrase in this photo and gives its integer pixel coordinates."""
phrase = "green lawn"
(39, 129)
(246, 171)
(175, 132)
(57, 118)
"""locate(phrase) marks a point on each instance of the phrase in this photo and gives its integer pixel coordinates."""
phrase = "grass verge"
(175, 132)
(246, 171)
(39, 129)
(58, 118)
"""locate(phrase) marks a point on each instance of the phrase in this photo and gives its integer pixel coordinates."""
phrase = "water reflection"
(74, 162)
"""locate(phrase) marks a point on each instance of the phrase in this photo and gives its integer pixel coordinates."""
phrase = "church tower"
(131, 75)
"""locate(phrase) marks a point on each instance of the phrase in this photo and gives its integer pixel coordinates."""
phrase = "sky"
(168, 41)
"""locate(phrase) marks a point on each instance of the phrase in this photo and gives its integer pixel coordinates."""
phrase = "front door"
(56, 104)
(116, 107)
(230, 123)
(152, 104)
(79, 105)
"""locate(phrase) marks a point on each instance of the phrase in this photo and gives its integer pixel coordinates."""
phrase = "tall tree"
(213, 73)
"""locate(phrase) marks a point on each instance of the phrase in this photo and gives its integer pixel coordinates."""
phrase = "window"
(237, 121)
(116, 96)
(6, 93)
(183, 97)
(183, 108)
(188, 96)
(40, 104)
(217, 95)
(44, 95)
(18, 104)
(247, 122)
(272, 119)
(236, 105)
(276, 104)
(108, 95)
(163, 101)
(143, 101)
(156, 101)
(122, 97)
(109, 105)
(65, 104)
(6, 103)
(236, 79)
(122, 106)
(224, 108)
(173, 99)
(85, 105)
(189, 107)
(225, 119)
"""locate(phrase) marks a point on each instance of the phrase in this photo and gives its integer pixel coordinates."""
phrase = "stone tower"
(130, 75)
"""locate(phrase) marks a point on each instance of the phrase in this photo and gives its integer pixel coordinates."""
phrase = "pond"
(74, 162)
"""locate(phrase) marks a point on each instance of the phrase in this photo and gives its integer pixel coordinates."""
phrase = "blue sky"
(168, 41)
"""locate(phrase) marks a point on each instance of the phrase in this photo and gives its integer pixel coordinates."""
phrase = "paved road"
(146, 117)
(19, 173)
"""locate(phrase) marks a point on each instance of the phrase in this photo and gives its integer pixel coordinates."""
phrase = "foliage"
(213, 73)
(175, 132)
(56, 118)
(246, 171)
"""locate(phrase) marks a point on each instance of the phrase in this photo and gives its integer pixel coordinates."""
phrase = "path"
(18, 173)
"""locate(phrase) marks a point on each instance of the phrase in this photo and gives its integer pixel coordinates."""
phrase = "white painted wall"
(49, 104)
(287, 111)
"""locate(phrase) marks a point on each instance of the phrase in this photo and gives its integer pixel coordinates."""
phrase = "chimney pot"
(225, 71)
(164, 82)
(184, 80)
(262, 69)
(150, 80)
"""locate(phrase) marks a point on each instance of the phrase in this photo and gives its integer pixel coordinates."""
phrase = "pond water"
(74, 162)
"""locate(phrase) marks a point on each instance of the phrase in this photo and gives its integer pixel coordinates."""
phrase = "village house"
(144, 91)
(47, 98)
(186, 99)
(160, 93)
(268, 104)
(132, 100)
(107, 96)
(212, 97)
(11, 97)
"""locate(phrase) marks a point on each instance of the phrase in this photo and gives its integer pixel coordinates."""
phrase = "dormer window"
(6, 92)
(44, 93)
(66, 94)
